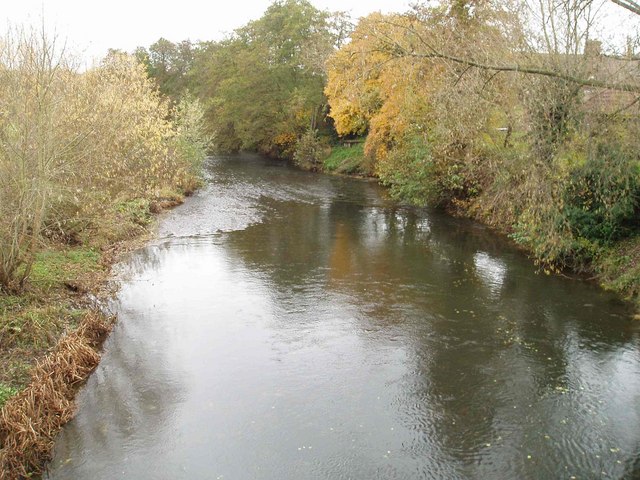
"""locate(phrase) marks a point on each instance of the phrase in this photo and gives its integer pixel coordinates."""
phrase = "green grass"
(53, 268)
(345, 159)
(6, 392)
(32, 322)
(36, 326)
(10, 302)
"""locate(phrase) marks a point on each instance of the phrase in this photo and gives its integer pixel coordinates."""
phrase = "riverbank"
(52, 332)
(614, 267)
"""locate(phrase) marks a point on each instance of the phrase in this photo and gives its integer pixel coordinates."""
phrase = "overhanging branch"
(396, 49)
(585, 82)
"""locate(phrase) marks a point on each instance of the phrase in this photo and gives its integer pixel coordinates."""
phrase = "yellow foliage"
(353, 83)
(285, 139)
(83, 140)
(424, 117)
(371, 91)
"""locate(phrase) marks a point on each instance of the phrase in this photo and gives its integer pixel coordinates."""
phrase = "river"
(289, 325)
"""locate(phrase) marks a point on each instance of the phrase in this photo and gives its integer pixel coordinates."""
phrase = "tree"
(506, 112)
(169, 65)
(72, 144)
(422, 124)
(630, 5)
(264, 84)
(36, 84)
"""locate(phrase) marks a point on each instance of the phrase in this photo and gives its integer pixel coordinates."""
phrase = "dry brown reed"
(30, 420)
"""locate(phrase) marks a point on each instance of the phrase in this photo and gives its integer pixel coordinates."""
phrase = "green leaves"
(6, 392)
(265, 82)
(602, 200)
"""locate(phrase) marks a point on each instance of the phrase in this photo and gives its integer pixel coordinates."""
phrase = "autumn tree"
(510, 112)
(423, 125)
(35, 144)
(75, 144)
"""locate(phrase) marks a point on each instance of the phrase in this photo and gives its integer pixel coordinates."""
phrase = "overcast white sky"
(92, 27)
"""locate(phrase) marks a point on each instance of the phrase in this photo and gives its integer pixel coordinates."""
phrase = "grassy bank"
(347, 160)
(54, 301)
(32, 321)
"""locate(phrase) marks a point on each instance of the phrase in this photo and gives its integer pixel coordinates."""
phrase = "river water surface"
(287, 325)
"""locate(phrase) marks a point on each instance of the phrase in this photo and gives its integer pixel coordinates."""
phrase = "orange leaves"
(284, 139)
(371, 91)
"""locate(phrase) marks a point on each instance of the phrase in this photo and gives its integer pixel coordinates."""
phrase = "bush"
(411, 172)
(602, 200)
(76, 144)
(191, 142)
(308, 151)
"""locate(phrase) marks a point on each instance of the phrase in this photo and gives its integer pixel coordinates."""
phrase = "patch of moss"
(6, 392)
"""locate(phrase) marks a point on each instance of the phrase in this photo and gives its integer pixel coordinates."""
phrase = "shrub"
(308, 151)
(602, 200)
(72, 145)
(191, 142)
(411, 172)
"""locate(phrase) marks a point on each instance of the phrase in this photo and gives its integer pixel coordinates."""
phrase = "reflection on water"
(290, 325)
(491, 270)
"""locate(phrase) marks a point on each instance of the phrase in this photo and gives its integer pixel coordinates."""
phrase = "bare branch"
(394, 48)
(631, 5)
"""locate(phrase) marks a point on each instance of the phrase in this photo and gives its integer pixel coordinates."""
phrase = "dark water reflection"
(291, 325)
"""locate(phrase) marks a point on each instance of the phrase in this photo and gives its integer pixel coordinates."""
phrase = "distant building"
(612, 69)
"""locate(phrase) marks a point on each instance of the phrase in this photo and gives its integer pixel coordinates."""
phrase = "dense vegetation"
(79, 149)
(510, 113)
(550, 156)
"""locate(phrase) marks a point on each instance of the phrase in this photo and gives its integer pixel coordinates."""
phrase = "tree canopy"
(264, 84)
